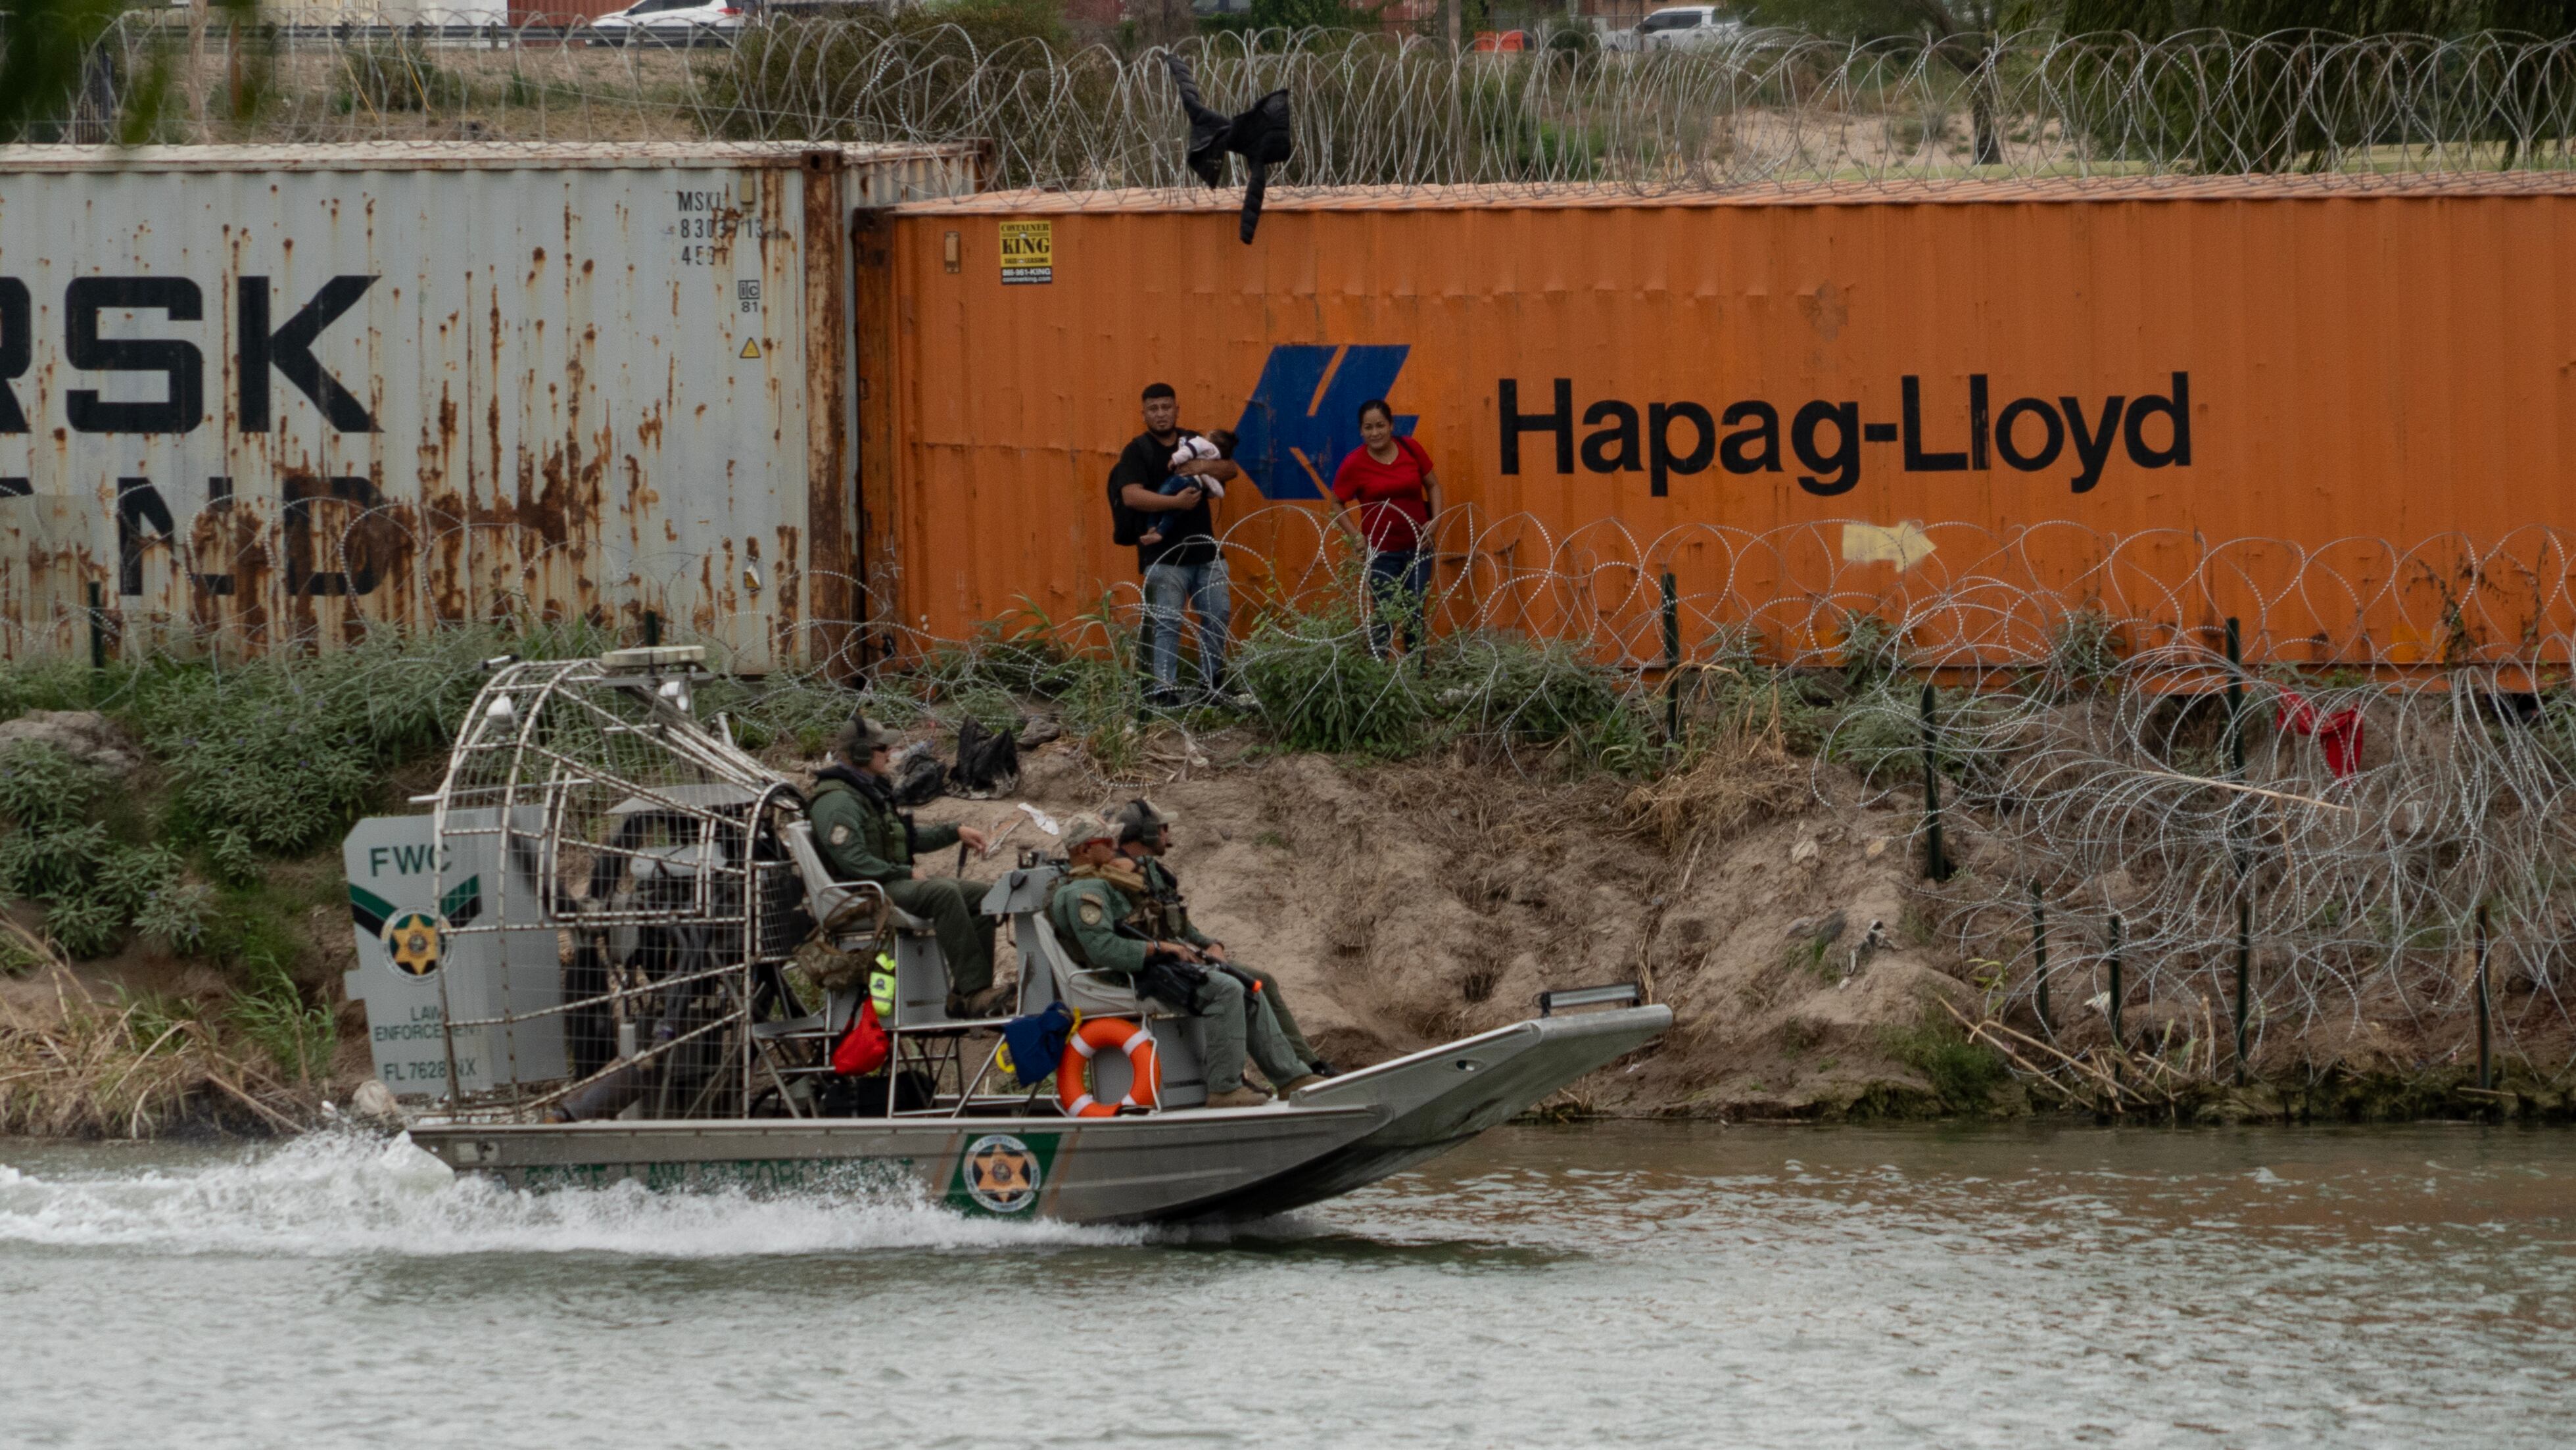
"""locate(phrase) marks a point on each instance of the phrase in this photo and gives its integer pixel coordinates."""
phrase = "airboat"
(595, 973)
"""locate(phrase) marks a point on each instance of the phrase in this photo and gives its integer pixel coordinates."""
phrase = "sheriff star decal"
(411, 942)
(1001, 1174)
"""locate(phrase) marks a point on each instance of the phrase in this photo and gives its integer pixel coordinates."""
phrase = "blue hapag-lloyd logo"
(1304, 414)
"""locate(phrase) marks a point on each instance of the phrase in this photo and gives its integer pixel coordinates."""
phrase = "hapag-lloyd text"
(2030, 434)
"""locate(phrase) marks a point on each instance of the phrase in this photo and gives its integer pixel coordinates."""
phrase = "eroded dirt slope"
(1406, 905)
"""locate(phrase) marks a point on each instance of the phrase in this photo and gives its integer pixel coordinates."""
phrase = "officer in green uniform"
(1102, 893)
(1144, 834)
(864, 838)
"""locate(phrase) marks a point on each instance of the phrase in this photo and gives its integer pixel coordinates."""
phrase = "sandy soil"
(1405, 905)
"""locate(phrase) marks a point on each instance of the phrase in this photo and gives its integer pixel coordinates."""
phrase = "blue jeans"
(1202, 587)
(1397, 580)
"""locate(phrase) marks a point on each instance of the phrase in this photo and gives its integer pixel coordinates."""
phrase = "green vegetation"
(272, 1013)
(72, 849)
(1965, 1075)
(1320, 688)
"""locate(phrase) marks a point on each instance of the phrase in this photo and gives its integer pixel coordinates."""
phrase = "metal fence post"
(2236, 852)
(2039, 954)
(2244, 974)
(1936, 862)
(1672, 660)
(2235, 699)
(2486, 1058)
(2116, 1039)
(97, 628)
(652, 629)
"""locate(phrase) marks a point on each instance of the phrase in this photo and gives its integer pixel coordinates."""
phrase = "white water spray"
(348, 1194)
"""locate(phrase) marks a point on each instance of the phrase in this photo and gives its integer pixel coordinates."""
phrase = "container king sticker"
(1028, 252)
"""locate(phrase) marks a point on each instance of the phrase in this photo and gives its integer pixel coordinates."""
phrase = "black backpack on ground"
(988, 762)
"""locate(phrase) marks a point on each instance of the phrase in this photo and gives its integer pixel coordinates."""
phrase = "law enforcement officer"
(1098, 911)
(864, 838)
(1144, 834)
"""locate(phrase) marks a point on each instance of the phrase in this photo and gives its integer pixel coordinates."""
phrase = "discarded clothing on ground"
(2339, 733)
(1263, 137)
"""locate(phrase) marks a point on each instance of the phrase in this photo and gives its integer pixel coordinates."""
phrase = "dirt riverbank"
(1404, 905)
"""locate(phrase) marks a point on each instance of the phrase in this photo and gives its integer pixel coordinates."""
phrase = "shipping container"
(2291, 359)
(263, 394)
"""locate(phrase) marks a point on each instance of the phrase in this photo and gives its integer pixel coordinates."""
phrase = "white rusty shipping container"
(253, 395)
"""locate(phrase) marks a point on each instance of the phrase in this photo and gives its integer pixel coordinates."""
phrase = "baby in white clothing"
(1194, 449)
(1219, 443)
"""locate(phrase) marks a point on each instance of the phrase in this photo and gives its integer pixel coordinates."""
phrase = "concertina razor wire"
(2408, 742)
(2408, 738)
(1380, 111)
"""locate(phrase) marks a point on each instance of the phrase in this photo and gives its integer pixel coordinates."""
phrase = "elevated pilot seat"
(920, 974)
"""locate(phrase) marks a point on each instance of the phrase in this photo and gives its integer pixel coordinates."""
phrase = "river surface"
(1601, 1285)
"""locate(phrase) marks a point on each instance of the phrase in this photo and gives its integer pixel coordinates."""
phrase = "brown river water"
(1594, 1285)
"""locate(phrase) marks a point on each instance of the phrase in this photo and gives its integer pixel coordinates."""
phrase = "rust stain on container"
(2234, 359)
(407, 390)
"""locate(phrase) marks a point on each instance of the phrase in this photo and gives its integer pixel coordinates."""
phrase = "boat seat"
(920, 973)
(825, 898)
(1048, 975)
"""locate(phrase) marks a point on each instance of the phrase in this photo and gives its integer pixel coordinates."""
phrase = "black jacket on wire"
(1262, 136)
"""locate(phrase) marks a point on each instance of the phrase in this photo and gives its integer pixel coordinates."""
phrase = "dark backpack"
(988, 762)
(1126, 525)
(920, 778)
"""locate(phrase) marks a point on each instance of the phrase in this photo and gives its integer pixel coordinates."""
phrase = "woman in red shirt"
(1388, 483)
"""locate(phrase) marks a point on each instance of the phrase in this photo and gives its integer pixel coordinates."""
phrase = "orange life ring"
(1073, 1077)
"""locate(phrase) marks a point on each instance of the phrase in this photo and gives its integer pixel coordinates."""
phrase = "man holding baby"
(1160, 490)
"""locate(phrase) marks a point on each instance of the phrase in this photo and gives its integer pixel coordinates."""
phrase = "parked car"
(1687, 27)
(675, 21)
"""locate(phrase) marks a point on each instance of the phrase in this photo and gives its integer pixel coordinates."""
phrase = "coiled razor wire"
(1379, 111)
(2082, 728)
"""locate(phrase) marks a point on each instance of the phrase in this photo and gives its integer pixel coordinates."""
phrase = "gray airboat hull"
(1187, 1164)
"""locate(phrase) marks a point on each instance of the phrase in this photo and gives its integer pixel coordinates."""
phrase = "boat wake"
(334, 1195)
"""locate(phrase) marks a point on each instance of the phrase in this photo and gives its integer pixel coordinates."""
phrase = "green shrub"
(1504, 684)
(1965, 1074)
(1320, 688)
(395, 75)
(297, 1035)
(94, 887)
(44, 684)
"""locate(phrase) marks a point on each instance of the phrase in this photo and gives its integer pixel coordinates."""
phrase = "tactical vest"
(1168, 909)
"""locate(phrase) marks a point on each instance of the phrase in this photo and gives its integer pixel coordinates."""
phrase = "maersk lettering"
(1826, 437)
(179, 363)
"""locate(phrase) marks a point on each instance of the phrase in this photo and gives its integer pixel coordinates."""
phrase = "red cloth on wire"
(2338, 734)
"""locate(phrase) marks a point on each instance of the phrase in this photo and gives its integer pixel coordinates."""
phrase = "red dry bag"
(862, 1049)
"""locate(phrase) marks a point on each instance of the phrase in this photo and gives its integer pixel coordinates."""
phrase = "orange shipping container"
(2248, 357)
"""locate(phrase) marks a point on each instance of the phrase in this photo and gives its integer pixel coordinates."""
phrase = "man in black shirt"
(1182, 565)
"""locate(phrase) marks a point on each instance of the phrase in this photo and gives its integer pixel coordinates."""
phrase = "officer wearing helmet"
(1144, 835)
(1101, 917)
(864, 838)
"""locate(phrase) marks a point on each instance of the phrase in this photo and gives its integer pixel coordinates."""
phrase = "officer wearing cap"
(1144, 835)
(864, 838)
(1098, 909)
